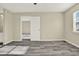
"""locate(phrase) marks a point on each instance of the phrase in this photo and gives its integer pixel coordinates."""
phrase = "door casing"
(35, 27)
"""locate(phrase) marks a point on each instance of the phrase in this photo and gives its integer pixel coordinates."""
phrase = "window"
(76, 21)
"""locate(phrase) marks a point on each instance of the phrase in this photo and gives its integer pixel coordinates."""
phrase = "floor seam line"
(11, 50)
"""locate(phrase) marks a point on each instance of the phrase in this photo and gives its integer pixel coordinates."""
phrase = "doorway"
(30, 28)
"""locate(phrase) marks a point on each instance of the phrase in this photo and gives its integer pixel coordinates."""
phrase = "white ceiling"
(40, 7)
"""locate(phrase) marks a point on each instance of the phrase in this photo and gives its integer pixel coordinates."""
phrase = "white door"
(35, 28)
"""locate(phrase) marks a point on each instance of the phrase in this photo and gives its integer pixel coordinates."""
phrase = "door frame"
(23, 18)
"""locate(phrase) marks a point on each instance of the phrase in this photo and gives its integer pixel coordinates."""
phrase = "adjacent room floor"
(40, 48)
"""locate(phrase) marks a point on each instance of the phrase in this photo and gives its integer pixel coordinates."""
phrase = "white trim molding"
(52, 39)
(72, 43)
(6, 42)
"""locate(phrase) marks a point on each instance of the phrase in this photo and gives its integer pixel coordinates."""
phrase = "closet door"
(35, 28)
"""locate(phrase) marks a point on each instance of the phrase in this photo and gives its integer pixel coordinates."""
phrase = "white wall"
(8, 27)
(6, 35)
(71, 36)
(52, 26)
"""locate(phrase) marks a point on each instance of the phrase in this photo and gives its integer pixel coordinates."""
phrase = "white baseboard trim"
(72, 43)
(52, 40)
(43, 40)
(7, 42)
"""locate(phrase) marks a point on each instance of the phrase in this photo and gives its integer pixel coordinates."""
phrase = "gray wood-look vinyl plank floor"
(46, 48)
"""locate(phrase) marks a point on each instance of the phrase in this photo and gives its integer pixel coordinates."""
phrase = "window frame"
(75, 21)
